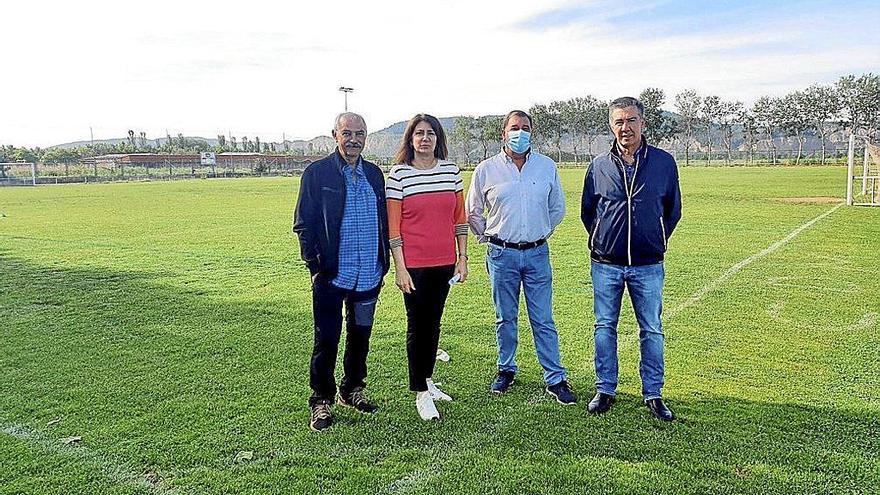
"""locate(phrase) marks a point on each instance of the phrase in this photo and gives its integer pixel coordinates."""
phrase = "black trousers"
(424, 309)
(327, 304)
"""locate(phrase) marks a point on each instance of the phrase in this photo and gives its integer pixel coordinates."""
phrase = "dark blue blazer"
(629, 221)
(319, 209)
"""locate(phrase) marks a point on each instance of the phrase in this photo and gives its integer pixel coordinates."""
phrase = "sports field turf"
(168, 325)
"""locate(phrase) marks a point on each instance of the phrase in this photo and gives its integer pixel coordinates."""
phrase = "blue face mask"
(519, 141)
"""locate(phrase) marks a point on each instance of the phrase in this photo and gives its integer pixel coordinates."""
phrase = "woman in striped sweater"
(428, 230)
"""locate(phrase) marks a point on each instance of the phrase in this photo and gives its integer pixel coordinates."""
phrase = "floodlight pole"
(346, 91)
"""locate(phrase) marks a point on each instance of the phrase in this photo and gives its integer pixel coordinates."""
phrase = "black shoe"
(659, 409)
(562, 393)
(358, 400)
(600, 404)
(503, 381)
(321, 417)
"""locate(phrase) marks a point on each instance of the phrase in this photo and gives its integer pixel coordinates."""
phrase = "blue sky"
(270, 69)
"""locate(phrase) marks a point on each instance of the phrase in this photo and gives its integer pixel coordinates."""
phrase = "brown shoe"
(359, 401)
(321, 417)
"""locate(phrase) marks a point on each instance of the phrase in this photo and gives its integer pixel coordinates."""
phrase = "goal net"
(863, 171)
(18, 174)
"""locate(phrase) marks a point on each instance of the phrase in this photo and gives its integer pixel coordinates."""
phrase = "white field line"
(700, 294)
(866, 322)
(116, 473)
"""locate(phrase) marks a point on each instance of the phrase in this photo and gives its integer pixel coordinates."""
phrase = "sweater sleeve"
(394, 202)
(461, 223)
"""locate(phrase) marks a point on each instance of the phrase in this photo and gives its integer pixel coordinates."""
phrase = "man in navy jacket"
(342, 223)
(630, 206)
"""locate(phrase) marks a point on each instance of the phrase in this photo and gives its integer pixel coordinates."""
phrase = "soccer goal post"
(863, 172)
(18, 174)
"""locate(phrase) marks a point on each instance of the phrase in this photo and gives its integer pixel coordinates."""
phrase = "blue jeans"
(645, 285)
(530, 268)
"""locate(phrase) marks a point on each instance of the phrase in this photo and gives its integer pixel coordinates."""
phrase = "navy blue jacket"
(319, 209)
(630, 219)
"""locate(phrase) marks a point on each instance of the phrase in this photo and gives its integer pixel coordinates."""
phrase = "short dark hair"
(406, 153)
(515, 113)
(626, 102)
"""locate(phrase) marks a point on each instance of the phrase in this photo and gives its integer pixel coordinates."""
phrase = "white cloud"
(265, 69)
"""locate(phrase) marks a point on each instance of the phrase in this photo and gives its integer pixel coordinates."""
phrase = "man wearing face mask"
(514, 203)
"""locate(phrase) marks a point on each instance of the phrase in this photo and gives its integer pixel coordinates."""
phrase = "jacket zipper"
(663, 231)
(595, 231)
(629, 191)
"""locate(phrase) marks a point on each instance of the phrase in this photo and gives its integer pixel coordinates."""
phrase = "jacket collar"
(641, 153)
(341, 163)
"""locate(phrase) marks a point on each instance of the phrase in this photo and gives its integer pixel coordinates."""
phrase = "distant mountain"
(399, 127)
(115, 141)
(382, 143)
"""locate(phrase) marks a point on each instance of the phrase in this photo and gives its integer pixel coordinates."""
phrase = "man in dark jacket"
(631, 204)
(342, 225)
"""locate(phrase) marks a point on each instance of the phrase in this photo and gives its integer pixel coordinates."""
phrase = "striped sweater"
(426, 212)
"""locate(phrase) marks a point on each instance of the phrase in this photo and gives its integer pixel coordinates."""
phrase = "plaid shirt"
(359, 267)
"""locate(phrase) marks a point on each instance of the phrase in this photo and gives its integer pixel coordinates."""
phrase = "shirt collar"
(341, 163)
(509, 159)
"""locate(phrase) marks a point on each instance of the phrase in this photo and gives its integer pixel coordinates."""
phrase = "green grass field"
(168, 325)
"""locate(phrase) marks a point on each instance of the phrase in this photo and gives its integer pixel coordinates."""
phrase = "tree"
(658, 126)
(488, 132)
(821, 104)
(749, 129)
(766, 119)
(794, 118)
(257, 144)
(573, 116)
(710, 109)
(583, 118)
(728, 116)
(547, 125)
(687, 103)
(860, 99)
(463, 135)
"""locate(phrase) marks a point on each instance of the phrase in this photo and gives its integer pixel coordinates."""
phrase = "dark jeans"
(424, 309)
(360, 307)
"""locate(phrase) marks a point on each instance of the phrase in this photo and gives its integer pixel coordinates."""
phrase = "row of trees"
(706, 123)
(139, 143)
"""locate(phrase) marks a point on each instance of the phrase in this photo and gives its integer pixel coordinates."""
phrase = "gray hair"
(348, 115)
(626, 102)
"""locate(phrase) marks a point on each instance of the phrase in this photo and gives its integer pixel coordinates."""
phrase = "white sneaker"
(425, 405)
(435, 392)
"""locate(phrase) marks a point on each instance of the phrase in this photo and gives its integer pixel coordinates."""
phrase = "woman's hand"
(461, 269)
(404, 280)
